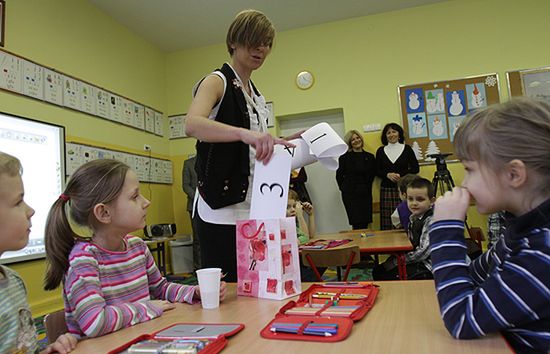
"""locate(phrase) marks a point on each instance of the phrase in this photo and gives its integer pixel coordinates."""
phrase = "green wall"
(357, 64)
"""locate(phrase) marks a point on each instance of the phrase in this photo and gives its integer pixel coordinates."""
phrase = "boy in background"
(304, 230)
(420, 200)
(401, 215)
(17, 326)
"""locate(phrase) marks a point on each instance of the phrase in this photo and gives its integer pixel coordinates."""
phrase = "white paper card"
(270, 187)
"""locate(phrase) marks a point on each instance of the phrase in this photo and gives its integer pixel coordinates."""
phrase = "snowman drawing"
(418, 125)
(456, 104)
(477, 99)
(431, 103)
(455, 127)
(414, 103)
(440, 105)
(438, 129)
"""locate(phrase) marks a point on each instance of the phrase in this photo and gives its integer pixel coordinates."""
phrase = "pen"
(198, 329)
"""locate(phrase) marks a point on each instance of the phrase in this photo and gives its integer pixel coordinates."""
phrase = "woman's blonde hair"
(349, 135)
(518, 129)
(251, 29)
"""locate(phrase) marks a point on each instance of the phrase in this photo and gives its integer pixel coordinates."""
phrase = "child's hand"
(65, 343)
(162, 304)
(299, 208)
(308, 208)
(452, 205)
(223, 290)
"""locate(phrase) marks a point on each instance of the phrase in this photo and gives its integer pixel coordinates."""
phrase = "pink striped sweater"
(105, 291)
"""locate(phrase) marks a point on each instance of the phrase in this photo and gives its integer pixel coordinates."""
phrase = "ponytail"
(60, 240)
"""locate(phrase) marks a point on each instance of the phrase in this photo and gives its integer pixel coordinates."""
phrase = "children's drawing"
(455, 101)
(476, 97)
(415, 100)
(454, 123)
(417, 125)
(417, 150)
(438, 126)
(432, 149)
(435, 103)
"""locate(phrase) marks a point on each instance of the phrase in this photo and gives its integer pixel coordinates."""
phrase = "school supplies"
(182, 338)
(322, 313)
(323, 244)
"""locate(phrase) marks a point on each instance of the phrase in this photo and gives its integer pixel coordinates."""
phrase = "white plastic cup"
(209, 285)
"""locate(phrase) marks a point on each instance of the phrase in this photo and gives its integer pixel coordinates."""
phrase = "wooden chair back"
(332, 257)
(55, 325)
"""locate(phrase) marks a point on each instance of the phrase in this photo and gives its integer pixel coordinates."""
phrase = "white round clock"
(304, 80)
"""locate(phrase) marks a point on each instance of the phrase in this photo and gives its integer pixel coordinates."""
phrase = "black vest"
(416, 226)
(223, 168)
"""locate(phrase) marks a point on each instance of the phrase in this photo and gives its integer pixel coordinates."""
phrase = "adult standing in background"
(394, 159)
(355, 174)
(228, 116)
(189, 184)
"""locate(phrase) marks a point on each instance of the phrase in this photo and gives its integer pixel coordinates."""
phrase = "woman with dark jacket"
(356, 171)
(393, 160)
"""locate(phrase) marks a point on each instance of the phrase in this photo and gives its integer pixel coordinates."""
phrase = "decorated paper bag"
(267, 258)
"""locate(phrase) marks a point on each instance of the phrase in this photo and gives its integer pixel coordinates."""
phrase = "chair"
(55, 325)
(332, 257)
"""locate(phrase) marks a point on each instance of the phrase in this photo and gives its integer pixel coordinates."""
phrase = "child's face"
(485, 186)
(291, 207)
(418, 200)
(15, 214)
(129, 210)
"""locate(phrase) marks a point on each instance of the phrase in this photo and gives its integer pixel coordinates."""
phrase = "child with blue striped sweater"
(505, 150)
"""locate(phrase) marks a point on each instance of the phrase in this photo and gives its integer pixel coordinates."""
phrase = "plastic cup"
(209, 285)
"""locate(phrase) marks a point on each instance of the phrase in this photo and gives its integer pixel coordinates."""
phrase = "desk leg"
(401, 266)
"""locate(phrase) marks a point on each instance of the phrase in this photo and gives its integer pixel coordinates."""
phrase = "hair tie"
(65, 198)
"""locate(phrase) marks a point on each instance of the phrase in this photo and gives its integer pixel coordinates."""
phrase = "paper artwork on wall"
(176, 126)
(418, 128)
(102, 104)
(33, 80)
(456, 103)
(87, 98)
(126, 109)
(10, 72)
(149, 120)
(454, 123)
(114, 108)
(476, 96)
(53, 87)
(71, 93)
(139, 115)
(437, 124)
(415, 100)
(435, 103)
(159, 126)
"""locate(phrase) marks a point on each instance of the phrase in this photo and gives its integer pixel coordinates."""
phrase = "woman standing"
(393, 160)
(356, 171)
(228, 116)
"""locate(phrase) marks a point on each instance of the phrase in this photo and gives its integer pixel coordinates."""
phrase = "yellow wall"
(357, 63)
(77, 39)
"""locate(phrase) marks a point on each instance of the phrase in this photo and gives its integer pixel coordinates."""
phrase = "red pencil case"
(209, 338)
(337, 304)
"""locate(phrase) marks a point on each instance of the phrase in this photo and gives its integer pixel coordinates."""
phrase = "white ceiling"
(173, 25)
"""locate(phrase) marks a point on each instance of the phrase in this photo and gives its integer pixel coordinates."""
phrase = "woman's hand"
(162, 304)
(65, 343)
(452, 205)
(394, 177)
(263, 143)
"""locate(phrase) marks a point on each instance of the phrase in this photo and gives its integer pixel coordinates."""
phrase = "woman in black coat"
(356, 171)
(394, 160)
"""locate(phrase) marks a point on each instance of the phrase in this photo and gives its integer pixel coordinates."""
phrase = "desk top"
(404, 319)
(373, 241)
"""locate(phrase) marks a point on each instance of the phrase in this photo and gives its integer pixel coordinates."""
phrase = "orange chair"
(332, 257)
(55, 325)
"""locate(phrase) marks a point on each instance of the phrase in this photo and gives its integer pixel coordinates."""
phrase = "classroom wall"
(358, 63)
(74, 37)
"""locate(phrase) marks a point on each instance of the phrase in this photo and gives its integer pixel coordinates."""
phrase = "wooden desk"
(404, 319)
(378, 242)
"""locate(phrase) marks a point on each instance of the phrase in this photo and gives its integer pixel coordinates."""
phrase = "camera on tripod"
(440, 160)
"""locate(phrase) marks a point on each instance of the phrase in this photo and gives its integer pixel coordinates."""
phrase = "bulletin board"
(432, 112)
(534, 83)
